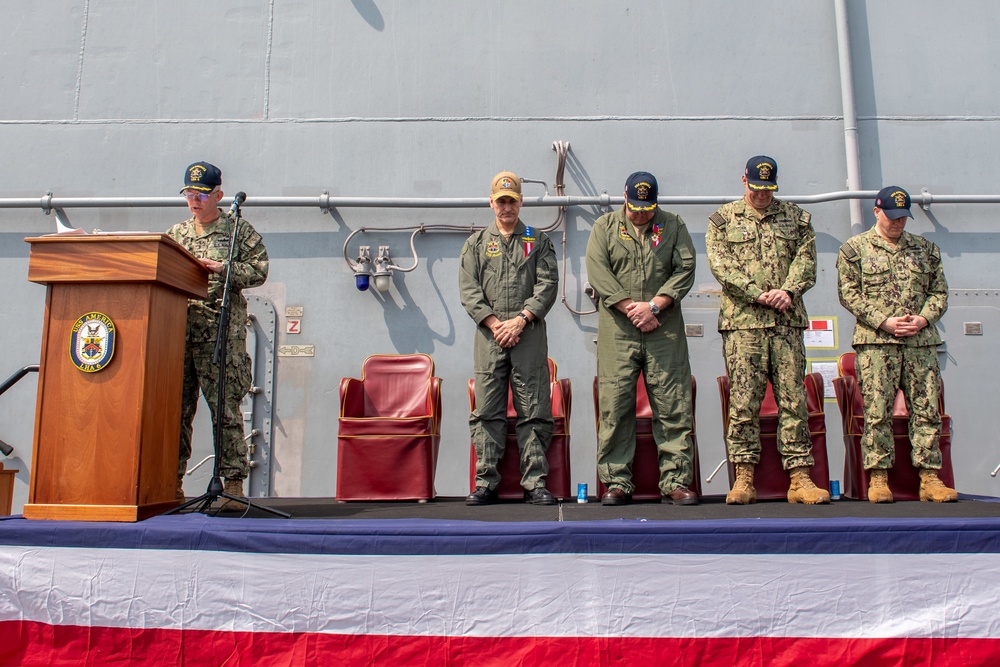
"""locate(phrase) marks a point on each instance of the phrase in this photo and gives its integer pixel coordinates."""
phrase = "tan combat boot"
(234, 488)
(878, 486)
(742, 492)
(932, 488)
(802, 490)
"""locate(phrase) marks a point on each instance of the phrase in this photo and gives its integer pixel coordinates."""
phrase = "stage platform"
(711, 508)
(511, 584)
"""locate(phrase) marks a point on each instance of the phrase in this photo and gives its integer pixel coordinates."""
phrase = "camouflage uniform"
(877, 281)
(620, 265)
(495, 278)
(250, 266)
(750, 255)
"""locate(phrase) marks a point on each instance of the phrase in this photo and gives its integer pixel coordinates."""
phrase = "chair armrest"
(723, 381)
(434, 402)
(352, 398)
(562, 398)
(597, 407)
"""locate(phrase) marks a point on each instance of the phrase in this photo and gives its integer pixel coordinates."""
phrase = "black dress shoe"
(483, 495)
(680, 496)
(539, 496)
(616, 496)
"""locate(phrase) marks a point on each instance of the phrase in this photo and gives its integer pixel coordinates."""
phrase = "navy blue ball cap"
(894, 202)
(641, 191)
(762, 173)
(202, 176)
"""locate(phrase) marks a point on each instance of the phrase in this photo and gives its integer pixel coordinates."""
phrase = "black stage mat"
(711, 508)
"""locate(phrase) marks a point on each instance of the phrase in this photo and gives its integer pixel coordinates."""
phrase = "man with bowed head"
(207, 235)
(894, 285)
(508, 280)
(763, 253)
(641, 263)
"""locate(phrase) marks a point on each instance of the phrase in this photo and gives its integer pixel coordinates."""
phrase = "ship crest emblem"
(92, 342)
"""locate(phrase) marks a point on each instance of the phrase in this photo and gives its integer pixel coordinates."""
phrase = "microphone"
(237, 202)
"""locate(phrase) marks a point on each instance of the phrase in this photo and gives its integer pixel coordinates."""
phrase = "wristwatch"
(523, 317)
(653, 308)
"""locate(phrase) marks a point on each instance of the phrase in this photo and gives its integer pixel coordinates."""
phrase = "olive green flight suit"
(620, 265)
(497, 278)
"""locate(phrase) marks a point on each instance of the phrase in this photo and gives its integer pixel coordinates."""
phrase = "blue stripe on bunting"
(425, 537)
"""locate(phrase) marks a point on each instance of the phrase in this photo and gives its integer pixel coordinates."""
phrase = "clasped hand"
(507, 333)
(904, 327)
(777, 299)
(641, 316)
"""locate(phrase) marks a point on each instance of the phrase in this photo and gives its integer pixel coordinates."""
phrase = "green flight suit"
(497, 277)
(876, 281)
(620, 265)
(749, 255)
(250, 267)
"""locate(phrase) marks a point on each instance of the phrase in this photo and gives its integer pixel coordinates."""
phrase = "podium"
(6, 490)
(107, 420)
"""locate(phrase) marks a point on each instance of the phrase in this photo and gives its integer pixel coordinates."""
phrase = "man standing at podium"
(207, 235)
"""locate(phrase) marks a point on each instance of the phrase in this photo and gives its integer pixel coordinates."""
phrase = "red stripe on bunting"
(30, 643)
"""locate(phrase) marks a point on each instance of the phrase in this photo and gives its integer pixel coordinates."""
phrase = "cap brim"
(762, 185)
(640, 205)
(896, 213)
(199, 188)
(497, 195)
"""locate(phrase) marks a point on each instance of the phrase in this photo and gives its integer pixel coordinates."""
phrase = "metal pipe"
(850, 113)
(325, 202)
(12, 380)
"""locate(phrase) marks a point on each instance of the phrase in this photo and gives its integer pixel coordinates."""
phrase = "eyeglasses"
(190, 195)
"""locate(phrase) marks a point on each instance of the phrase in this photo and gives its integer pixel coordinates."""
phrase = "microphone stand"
(215, 490)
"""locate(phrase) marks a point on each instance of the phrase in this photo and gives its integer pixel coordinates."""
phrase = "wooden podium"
(106, 440)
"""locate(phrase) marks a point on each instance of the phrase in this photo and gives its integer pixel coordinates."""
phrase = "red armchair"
(770, 479)
(904, 480)
(390, 429)
(558, 481)
(646, 464)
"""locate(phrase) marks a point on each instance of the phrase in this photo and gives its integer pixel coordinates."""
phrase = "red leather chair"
(770, 479)
(390, 429)
(646, 464)
(558, 481)
(904, 480)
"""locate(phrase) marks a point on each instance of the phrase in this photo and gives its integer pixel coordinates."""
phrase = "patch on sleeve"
(717, 219)
(253, 239)
(806, 217)
(849, 253)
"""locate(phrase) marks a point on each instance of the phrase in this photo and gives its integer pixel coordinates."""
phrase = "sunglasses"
(200, 196)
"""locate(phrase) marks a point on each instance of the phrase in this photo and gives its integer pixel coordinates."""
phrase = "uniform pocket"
(875, 273)
(920, 269)
(742, 241)
(786, 238)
